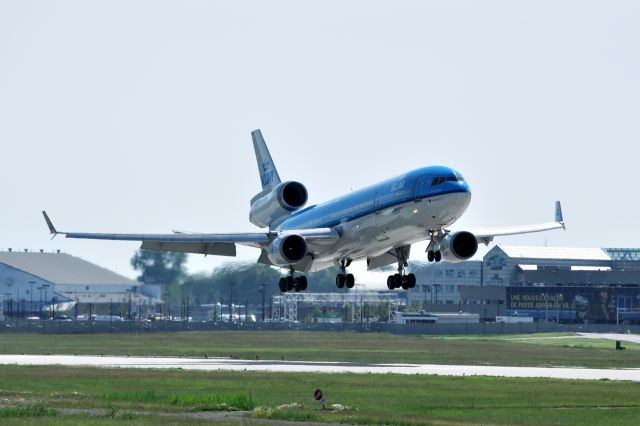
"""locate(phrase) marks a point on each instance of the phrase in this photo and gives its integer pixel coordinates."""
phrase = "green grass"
(511, 350)
(29, 410)
(139, 396)
(217, 402)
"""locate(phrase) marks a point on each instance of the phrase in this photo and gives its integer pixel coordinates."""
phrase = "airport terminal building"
(544, 282)
(38, 283)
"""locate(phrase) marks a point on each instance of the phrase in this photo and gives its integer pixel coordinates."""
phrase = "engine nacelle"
(284, 199)
(288, 250)
(458, 246)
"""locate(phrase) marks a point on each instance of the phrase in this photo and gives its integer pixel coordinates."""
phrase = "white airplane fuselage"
(397, 212)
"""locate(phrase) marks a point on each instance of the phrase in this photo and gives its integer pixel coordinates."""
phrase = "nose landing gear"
(433, 249)
(434, 255)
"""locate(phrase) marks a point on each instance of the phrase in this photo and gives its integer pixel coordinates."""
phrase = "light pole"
(46, 287)
(129, 293)
(231, 301)
(10, 304)
(41, 304)
(31, 283)
(262, 290)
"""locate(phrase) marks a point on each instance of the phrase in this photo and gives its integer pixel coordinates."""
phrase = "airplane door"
(420, 189)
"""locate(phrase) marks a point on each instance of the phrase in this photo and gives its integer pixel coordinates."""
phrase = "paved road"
(320, 367)
(633, 338)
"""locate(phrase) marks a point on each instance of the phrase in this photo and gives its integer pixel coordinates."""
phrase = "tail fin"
(268, 172)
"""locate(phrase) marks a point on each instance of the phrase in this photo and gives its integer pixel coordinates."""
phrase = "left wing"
(215, 244)
(486, 235)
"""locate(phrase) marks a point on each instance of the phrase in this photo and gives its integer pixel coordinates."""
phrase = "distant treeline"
(240, 280)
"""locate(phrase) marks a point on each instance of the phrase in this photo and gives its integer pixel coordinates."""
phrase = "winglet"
(559, 217)
(52, 229)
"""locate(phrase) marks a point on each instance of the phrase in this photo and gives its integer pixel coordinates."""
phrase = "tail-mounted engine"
(458, 246)
(288, 250)
(285, 198)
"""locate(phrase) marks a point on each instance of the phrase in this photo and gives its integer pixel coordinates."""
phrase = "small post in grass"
(318, 396)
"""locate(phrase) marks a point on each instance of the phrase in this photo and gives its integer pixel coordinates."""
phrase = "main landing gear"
(344, 278)
(401, 279)
(292, 283)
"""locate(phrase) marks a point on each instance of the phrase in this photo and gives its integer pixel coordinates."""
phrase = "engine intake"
(289, 250)
(285, 198)
(459, 246)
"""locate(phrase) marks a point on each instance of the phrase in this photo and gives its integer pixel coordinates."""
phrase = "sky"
(135, 116)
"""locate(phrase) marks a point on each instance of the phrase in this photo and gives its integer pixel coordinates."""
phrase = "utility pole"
(246, 309)
(231, 301)
(31, 283)
(262, 290)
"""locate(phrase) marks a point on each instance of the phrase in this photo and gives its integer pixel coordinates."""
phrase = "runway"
(213, 364)
(633, 338)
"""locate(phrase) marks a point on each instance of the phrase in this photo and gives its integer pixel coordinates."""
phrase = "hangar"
(41, 283)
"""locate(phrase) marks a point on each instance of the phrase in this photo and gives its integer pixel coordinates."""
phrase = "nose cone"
(464, 186)
(461, 182)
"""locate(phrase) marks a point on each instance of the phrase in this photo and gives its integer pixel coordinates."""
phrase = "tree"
(243, 280)
(159, 267)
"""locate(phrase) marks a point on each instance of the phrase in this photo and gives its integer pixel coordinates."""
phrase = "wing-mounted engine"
(284, 199)
(287, 250)
(458, 246)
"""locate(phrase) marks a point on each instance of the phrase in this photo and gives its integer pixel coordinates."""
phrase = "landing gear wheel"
(282, 285)
(303, 283)
(411, 278)
(351, 281)
(397, 280)
(430, 256)
(289, 283)
(296, 284)
(405, 282)
(437, 256)
(390, 284)
(340, 280)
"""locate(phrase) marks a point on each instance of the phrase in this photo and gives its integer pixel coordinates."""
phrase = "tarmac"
(633, 338)
(214, 364)
(228, 364)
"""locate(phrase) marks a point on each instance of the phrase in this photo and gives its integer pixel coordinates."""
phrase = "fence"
(79, 327)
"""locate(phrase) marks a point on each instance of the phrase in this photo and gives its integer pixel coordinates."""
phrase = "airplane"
(377, 224)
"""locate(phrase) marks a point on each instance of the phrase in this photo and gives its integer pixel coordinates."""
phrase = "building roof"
(628, 254)
(555, 253)
(62, 268)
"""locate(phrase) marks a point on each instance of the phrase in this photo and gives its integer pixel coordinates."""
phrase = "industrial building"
(544, 282)
(39, 283)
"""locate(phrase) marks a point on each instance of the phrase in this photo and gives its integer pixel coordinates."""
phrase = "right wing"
(486, 235)
(215, 244)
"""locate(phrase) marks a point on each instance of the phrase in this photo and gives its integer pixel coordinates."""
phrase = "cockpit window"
(441, 179)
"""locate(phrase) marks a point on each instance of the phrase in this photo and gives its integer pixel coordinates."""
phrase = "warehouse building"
(37, 283)
(486, 282)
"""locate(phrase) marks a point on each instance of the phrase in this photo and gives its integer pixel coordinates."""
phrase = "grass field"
(510, 350)
(149, 396)
(64, 395)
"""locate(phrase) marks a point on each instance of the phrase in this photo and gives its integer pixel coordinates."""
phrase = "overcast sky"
(135, 116)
